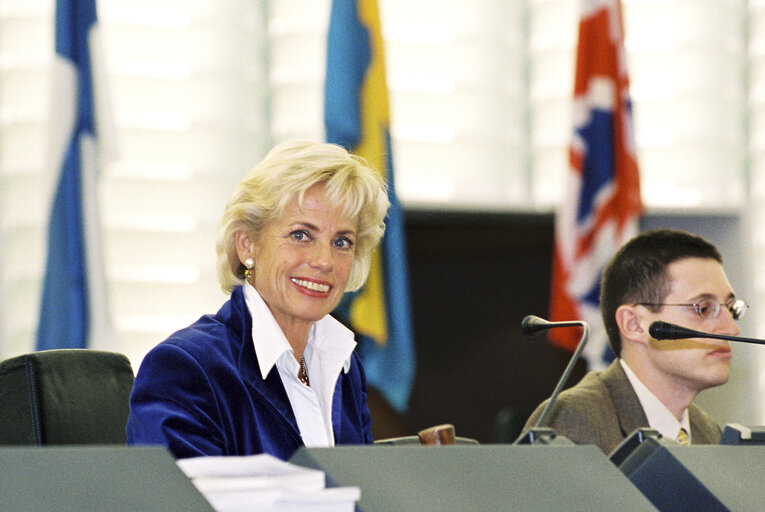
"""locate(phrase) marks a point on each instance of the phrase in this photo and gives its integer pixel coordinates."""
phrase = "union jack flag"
(601, 205)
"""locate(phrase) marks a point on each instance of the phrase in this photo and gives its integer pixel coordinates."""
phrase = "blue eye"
(343, 243)
(300, 235)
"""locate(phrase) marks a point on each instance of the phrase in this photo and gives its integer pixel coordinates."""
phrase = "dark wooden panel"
(474, 276)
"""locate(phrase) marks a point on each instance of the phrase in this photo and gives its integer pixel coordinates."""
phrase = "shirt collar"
(333, 341)
(659, 417)
(328, 338)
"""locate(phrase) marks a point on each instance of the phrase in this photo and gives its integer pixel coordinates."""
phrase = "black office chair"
(63, 397)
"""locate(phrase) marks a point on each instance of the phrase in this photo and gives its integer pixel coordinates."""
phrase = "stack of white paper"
(265, 483)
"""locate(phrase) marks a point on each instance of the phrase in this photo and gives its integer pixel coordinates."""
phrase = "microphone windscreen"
(665, 331)
(657, 331)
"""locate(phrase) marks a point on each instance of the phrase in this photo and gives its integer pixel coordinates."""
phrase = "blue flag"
(357, 117)
(73, 304)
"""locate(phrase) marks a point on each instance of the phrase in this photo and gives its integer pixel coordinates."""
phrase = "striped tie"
(682, 437)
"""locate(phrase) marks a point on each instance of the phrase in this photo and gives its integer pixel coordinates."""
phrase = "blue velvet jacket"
(200, 392)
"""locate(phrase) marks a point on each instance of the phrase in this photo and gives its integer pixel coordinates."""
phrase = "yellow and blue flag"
(357, 117)
(73, 305)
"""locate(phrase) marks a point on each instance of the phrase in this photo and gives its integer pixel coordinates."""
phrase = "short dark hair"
(638, 272)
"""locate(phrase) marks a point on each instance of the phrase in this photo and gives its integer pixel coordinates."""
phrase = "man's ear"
(244, 246)
(630, 322)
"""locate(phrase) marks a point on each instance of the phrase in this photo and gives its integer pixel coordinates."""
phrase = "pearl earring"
(249, 263)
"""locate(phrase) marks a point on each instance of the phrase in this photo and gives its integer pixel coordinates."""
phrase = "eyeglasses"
(710, 308)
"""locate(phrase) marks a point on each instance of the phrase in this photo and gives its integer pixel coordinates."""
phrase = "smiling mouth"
(310, 285)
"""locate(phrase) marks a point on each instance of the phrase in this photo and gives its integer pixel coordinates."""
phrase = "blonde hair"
(286, 173)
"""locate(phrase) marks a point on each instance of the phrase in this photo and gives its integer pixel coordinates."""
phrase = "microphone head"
(665, 331)
(658, 331)
(532, 324)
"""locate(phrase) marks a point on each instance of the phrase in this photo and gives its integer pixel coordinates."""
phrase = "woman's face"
(303, 260)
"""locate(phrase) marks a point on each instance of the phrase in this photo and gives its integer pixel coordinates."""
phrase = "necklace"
(303, 374)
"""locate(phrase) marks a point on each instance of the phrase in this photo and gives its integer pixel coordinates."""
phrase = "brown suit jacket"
(603, 409)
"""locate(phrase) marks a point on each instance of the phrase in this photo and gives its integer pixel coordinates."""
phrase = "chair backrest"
(66, 396)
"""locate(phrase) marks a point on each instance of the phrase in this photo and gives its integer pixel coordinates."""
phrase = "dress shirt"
(659, 417)
(327, 353)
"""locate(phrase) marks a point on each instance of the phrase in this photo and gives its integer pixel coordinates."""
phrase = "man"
(665, 275)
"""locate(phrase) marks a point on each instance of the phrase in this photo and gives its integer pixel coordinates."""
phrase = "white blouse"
(328, 352)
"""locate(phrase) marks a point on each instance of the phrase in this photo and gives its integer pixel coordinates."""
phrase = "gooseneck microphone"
(666, 331)
(532, 325)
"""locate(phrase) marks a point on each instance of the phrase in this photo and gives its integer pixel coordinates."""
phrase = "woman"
(272, 370)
